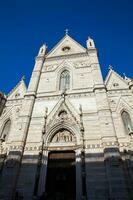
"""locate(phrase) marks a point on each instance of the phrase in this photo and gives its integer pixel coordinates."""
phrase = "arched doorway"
(61, 176)
(62, 154)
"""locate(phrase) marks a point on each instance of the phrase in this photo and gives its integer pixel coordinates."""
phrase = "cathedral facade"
(68, 136)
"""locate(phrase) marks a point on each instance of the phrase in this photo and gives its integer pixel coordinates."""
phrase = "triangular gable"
(63, 116)
(122, 104)
(18, 91)
(60, 106)
(66, 46)
(114, 81)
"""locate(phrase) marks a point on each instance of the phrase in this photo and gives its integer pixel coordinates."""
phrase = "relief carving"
(62, 114)
(82, 64)
(17, 112)
(63, 136)
(50, 67)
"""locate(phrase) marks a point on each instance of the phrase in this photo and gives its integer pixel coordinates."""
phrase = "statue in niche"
(62, 114)
(63, 136)
(17, 112)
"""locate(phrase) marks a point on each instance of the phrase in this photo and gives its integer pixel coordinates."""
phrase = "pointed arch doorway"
(61, 176)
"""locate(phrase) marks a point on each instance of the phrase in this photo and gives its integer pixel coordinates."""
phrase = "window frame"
(127, 122)
(64, 82)
(3, 129)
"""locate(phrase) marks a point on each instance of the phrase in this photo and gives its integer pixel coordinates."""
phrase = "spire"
(90, 43)
(110, 67)
(42, 50)
(23, 78)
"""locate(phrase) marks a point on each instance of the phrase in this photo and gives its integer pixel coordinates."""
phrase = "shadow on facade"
(107, 175)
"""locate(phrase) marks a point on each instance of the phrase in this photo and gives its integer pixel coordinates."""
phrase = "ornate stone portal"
(61, 175)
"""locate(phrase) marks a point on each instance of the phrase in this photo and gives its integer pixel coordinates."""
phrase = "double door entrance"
(61, 176)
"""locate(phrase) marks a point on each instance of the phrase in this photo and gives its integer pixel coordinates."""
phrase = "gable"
(18, 91)
(66, 46)
(63, 105)
(115, 82)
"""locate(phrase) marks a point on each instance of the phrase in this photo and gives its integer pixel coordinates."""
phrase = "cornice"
(37, 147)
(70, 95)
(119, 91)
(67, 56)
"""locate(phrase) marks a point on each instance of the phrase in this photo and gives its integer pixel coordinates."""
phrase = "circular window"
(66, 48)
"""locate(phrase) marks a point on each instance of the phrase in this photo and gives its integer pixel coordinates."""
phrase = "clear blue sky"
(26, 24)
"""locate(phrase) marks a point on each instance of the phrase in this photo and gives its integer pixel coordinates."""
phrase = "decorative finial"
(66, 31)
(63, 94)
(80, 109)
(90, 43)
(45, 45)
(124, 75)
(110, 67)
(23, 78)
(46, 111)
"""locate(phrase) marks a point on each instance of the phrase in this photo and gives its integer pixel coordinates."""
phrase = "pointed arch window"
(64, 80)
(127, 122)
(6, 130)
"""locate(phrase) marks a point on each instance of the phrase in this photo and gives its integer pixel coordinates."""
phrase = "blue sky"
(26, 24)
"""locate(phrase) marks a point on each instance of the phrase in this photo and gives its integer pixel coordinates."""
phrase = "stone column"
(43, 174)
(78, 175)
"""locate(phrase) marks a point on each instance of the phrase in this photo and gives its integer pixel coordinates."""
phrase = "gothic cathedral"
(69, 135)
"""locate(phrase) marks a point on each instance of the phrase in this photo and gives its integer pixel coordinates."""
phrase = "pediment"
(66, 46)
(63, 112)
(115, 82)
(122, 104)
(18, 91)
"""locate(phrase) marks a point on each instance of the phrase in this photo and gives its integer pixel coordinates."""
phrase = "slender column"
(44, 160)
(83, 173)
(42, 181)
(78, 175)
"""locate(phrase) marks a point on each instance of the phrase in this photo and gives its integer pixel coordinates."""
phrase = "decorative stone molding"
(107, 145)
(53, 67)
(82, 64)
(63, 148)
(88, 146)
(124, 144)
(69, 95)
(77, 55)
(15, 147)
(93, 146)
(119, 91)
(33, 148)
